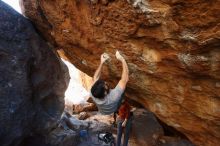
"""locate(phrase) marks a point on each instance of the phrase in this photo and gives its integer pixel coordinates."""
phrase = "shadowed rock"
(31, 80)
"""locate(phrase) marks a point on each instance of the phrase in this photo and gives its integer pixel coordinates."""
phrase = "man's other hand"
(104, 57)
(118, 56)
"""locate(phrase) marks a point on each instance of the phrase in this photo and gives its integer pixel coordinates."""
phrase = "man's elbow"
(127, 79)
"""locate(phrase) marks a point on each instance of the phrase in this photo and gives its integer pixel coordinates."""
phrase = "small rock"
(198, 88)
(83, 116)
(155, 136)
(60, 137)
(9, 85)
(66, 31)
(94, 1)
(69, 122)
(162, 140)
(174, 141)
(217, 85)
(76, 124)
(104, 2)
(85, 107)
(84, 62)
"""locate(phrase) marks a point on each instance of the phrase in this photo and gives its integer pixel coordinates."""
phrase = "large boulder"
(171, 46)
(32, 80)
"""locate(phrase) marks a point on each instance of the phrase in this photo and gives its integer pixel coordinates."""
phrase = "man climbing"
(108, 100)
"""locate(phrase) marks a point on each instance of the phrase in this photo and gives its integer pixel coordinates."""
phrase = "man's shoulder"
(117, 90)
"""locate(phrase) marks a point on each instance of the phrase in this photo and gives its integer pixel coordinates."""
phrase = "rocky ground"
(93, 123)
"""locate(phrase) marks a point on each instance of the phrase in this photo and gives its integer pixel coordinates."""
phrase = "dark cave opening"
(170, 131)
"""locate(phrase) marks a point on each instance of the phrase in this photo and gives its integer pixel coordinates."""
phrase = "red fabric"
(124, 110)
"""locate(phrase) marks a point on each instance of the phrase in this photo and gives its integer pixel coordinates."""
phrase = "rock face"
(31, 80)
(148, 135)
(171, 46)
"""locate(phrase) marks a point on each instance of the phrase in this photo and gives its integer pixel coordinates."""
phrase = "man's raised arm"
(125, 72)
(97, 74)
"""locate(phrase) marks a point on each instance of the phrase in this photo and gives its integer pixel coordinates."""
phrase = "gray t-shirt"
(109, 103)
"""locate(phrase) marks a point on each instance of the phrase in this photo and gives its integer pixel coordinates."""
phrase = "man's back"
(109, 104)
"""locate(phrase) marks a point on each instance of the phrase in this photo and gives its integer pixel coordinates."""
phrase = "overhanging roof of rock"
(172, 49)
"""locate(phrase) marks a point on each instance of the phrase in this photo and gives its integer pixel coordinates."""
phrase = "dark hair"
(98, 89)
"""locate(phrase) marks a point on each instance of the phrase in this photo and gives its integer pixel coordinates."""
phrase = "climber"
(108, 100)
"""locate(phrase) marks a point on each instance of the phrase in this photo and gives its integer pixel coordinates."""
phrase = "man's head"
(100, 89)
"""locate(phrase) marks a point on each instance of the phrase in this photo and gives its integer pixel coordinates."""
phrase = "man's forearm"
(97, 72)
(125, 71)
